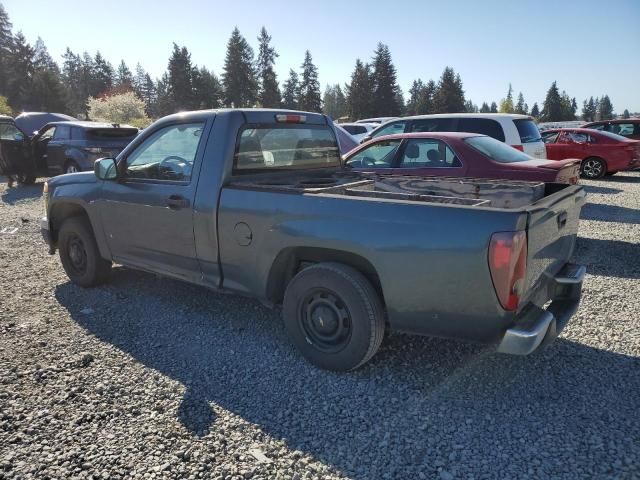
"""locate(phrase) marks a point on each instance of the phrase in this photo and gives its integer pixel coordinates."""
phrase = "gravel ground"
(151, 378)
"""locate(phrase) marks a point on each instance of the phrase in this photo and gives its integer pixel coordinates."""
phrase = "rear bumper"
(536, 326)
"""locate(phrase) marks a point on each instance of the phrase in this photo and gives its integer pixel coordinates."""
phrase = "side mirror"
(106, 169)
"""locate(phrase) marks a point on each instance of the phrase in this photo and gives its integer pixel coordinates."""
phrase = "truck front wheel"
(334, 316)
(79, 253)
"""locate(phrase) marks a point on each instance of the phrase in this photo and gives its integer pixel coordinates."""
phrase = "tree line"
(31, 80)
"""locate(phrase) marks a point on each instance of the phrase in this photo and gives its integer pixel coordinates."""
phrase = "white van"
(519, 131)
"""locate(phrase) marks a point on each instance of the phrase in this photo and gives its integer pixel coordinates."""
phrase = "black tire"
(71, 167)
(593, 168)
(334, 316)
(26, 179)
(79, 253)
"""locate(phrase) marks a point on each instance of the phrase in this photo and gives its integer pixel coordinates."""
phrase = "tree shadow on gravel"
(608, 258)
(21, 192)
(420, 406)
(602, 212)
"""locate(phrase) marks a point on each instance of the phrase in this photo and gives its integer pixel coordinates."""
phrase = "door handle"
(562, 220)
(177, 201)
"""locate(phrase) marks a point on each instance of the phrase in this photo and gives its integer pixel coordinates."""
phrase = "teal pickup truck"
(258, 202)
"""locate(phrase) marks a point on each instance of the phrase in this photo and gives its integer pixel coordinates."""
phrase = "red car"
(457, 155)
(602, 153)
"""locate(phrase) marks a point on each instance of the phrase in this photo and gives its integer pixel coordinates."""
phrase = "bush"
(125, 108)
(5, 109)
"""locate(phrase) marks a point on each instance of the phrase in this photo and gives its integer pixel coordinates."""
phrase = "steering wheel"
(173, 165)
(368, 162)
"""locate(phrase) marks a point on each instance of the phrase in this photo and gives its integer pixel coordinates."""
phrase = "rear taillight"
(518, 147)
(508, 266)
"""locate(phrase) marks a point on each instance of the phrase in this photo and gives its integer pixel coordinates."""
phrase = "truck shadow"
(21, 192)
(602, 190)
(419, 406)
(624, 177)
(602, 212)
(608, 258)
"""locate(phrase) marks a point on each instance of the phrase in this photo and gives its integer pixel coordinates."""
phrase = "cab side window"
(167, 154)
(378, 155)
(428, 153)
(48, 134)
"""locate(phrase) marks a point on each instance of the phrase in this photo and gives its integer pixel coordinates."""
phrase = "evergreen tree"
(402, 108)
(239, 77)
(552, 108)
(333, 102)
(589, 110)
(6, 45)
(415, 92)
(574, 108)
(485, 108)
(139, 80)
(164, 104)
(268, 92)
(520, 105)
(20, 70)
(310, 97)
(506, 104)
(625, 114)
(180, 81)
(359, 92)
(605, 108)
(101, 76)
(124, 78)
(42, 59)
(426, 101)
(494, 107)
(470, 107)
(291, 91)
(449, 97)
(384, 83)
(207, 89)
(535, 110)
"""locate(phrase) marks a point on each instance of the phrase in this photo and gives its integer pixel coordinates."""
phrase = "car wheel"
(593, 168)
(334, 316)
(71, 167)
(79, 253)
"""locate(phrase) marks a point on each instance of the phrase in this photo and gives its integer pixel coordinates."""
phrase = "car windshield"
(286, 147)
(496, 150)
(528, 131)
(613, 136)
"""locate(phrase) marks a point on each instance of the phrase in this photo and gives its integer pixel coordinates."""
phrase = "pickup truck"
(258, 202)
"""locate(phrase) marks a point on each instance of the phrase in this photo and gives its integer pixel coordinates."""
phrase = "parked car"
(629, 128)
(59, 147)
(376, 120)
(519, 131)
(457, 155)
(268, 210)
(358, 130)
(31, 122)
(602, 153)
(346, 141)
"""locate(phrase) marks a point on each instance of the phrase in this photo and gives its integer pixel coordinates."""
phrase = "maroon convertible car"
(457, 155)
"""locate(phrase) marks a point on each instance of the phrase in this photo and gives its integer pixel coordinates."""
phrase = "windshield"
(528, 131)
(496, 150)
(286, 147)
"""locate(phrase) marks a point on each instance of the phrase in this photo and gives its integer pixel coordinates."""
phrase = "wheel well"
(291, 260)
(60, 213)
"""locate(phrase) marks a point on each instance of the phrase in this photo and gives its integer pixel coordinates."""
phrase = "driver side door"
(147, 214)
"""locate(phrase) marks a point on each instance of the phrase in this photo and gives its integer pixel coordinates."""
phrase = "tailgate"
(569, 173)
(552, 228)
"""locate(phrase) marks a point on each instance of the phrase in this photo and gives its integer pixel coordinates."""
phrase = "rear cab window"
(274, 147)
(528, 130)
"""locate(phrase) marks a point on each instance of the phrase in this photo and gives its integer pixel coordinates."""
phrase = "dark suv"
(59, 147)
(629, 127)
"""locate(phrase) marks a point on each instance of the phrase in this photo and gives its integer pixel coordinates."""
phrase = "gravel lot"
(151, 378)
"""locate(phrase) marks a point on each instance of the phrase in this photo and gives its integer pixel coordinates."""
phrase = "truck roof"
(251, 115)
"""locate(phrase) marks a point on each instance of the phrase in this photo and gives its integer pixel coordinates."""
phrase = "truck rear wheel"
(79, 254)
(334, 316)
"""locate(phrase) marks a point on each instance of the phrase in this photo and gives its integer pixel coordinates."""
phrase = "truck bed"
(472, 192)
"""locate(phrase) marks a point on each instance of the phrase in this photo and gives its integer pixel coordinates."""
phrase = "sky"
(589, 47)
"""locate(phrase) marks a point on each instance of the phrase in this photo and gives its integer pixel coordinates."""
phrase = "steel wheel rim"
(325, 320)
(592, 168)
(77, 254)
